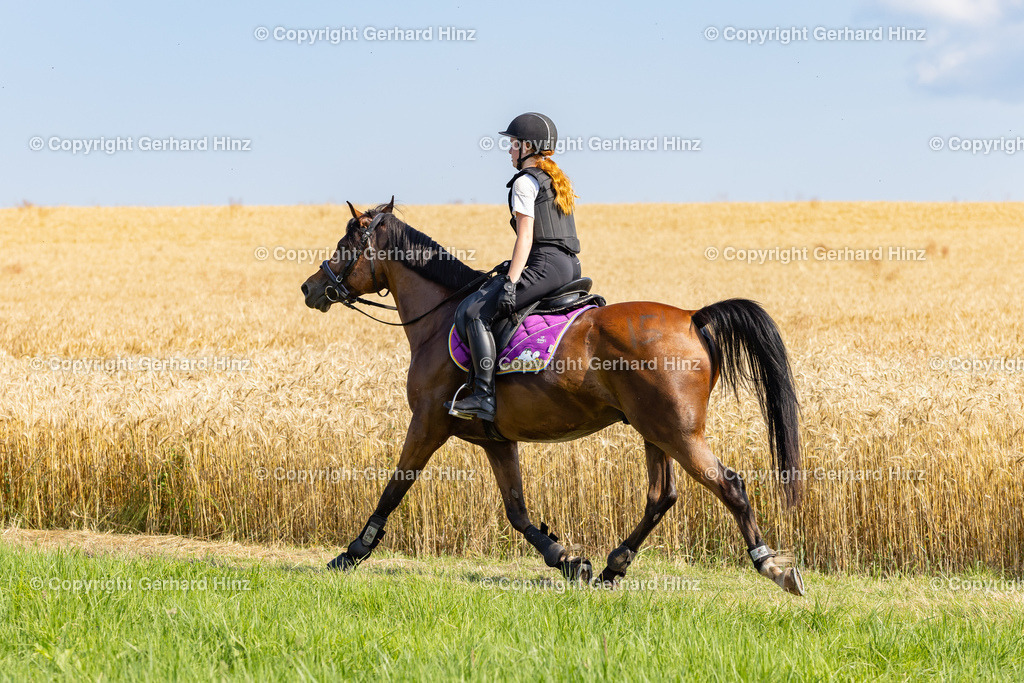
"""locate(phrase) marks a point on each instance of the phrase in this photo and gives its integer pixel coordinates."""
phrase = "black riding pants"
(547, 268)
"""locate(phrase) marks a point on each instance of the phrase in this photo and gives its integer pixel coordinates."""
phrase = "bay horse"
(734, 340)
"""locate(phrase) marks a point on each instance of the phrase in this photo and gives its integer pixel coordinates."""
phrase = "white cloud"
(973, 47)
(929, 73)
(969, 11)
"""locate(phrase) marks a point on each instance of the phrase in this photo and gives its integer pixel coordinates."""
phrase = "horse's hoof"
(342, 563)
(577, 569)
(586, 574)
(608, 578)
(791, 581)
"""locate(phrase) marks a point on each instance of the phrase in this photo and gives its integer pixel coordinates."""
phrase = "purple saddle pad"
(529, 349)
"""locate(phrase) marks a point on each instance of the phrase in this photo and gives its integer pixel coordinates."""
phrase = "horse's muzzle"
(321, 302)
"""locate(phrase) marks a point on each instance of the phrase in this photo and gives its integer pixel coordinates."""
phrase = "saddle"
(568, 297)
(564, 300)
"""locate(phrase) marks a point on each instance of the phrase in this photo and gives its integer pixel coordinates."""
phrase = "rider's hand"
(507, 300)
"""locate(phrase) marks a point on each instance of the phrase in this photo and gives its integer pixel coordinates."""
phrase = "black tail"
(745, 345)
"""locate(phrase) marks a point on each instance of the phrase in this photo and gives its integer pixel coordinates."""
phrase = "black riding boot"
(481, 402)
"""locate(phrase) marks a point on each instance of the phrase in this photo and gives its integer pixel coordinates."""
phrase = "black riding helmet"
(537, 129)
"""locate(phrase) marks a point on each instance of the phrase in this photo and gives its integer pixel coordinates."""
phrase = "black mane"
(420, 253)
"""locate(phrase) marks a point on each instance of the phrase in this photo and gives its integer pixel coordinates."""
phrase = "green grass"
(447, 618)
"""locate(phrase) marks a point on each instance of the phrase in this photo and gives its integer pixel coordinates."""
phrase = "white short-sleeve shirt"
(524, 194)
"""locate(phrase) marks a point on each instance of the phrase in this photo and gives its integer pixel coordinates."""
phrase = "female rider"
(541, 202)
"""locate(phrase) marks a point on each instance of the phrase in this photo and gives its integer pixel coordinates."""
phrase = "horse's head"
(353, 269)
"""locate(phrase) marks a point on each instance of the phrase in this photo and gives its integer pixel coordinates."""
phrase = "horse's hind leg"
(504, 460)
(695, 456)
(661, 495)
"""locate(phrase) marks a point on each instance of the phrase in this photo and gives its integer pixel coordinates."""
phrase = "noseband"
(337, 292)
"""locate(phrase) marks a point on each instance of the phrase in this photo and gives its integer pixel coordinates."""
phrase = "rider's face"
(515, 151)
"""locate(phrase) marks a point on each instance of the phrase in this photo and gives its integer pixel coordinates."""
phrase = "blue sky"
(362, 120)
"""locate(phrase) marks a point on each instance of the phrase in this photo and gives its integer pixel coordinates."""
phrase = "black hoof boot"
(360, 549)
(618, 562)
(343, 563)
(577, 570)
(609, 578)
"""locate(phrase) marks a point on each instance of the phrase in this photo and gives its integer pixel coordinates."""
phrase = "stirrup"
(451, 405)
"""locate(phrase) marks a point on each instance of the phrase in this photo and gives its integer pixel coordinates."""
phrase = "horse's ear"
(355, 213)
(391, 205)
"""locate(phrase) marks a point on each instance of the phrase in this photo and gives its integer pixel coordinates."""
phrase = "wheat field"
(160, 371)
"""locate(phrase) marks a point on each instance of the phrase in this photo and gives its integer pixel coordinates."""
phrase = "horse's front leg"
(504, 460)
(422, 440)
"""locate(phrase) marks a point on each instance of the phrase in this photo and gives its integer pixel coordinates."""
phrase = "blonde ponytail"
(564, 197)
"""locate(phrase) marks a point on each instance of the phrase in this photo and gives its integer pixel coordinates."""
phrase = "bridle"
(337, 292)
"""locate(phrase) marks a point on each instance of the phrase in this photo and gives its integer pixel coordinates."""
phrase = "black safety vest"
(550, 225)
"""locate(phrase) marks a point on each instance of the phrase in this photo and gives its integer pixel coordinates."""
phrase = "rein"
(349, 301)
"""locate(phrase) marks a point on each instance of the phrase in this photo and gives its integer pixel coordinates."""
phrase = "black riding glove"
(507, 300)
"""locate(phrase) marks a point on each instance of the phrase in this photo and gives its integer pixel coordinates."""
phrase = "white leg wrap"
(760, 554)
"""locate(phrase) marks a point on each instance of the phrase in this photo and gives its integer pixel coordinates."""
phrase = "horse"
(733, 340)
